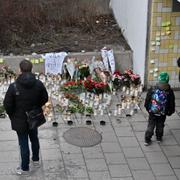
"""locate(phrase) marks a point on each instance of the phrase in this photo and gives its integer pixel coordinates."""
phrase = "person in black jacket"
(28, 93)
(157, 119)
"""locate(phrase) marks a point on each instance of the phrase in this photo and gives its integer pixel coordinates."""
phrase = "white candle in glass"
(114, 92)
(140, 88)
(100, 107)
(115, 112)
(69, 117)
(91, 103)
(132, 92)
(119, 111)
(128, 105)
(49, 118)
(124, 89)
(136, 93)
(95, 113)
(123, 105)
(131, 112)
(101, 112)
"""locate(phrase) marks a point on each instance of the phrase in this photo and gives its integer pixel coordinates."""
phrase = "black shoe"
(159, 139)
(147, 143)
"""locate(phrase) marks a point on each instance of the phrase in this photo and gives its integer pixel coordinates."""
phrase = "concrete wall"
(123, 60)
(131, 16)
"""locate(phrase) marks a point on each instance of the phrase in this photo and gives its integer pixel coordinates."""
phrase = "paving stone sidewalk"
(120, 156)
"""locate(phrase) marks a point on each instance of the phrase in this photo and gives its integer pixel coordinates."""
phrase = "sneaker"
(159, 139)
(36, 164)
(19, 171)
(147, 143)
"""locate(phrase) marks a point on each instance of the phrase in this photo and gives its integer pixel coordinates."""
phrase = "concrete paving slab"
(96, 165)
(74, 159)
(102, 175)
(93, 152)
(53, 166)
(166, 178)
(139, 126)
(124, 131)
(128, 141)
(169, 140)
(133, 152)
(110, 147)
(173, 124)
(156, 157)
(68, 148)
(143, 174)
(76, 171)
(50, 154)
(121, 170)
(115, 158)
(177, 172)
(171, 150)
(8, 146)
(124, 178)
(175, 162)
(162, 169)
(109, 137)
(138, 164)
(9, 156)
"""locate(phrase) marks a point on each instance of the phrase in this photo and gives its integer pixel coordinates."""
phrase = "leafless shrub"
(19, 19)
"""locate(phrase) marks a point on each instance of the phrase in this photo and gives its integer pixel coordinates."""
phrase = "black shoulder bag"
(35, 117)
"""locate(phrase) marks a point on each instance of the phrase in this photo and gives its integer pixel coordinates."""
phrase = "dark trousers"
(24, 147)
(155, 122)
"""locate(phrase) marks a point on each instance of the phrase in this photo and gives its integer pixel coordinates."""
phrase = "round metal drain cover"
(82, 137)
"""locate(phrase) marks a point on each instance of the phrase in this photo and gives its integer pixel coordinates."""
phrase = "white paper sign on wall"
(54, 62)
(108, 59)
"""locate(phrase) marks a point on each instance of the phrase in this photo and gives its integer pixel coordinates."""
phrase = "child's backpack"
(158, 102)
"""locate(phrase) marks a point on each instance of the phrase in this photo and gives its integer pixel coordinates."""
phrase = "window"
(176, 6)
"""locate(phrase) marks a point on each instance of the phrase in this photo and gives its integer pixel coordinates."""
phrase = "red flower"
(128, 71)
(117, 73)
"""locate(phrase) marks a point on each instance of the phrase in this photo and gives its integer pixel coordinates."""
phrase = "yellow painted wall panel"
(167, 41)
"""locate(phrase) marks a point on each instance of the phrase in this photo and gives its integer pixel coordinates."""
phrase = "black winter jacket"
(170, 106)
(31, 93)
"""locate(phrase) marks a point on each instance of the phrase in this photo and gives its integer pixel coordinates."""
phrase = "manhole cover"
(82, 137)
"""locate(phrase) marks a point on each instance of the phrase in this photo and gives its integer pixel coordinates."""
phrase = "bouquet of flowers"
(72, 86)
(126, 79)
(7, 72)
(83, 71)
(134, 78)
(72, 97)
(119, 80)
(96, 87)
(76, 106)
(116, 79)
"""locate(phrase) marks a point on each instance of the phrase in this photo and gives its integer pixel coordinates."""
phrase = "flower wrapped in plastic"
(83, 71)
(96, 87)
(135, 79)
(116, 80)
(73, 86)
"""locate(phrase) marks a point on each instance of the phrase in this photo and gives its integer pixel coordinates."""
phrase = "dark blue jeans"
(24, 147)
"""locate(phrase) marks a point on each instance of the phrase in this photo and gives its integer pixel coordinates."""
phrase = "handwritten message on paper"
(108, 59)
(54, 62)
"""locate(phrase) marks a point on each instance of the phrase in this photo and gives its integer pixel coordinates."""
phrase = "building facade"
(152, 29)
